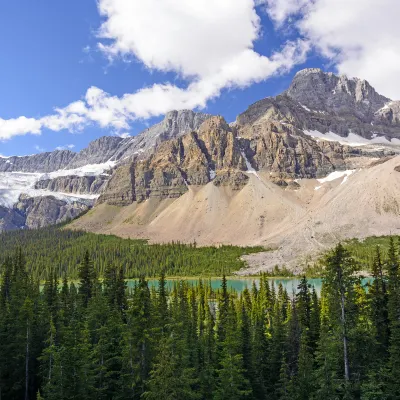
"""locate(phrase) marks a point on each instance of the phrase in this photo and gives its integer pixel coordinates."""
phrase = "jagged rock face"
(188, 160)
(38, 212)
(128, 183)
(174, 125)
(233, 179)
(74, 184)
(10, 219)
(99, 151)
(43, 162)
(282, 111)
(120, 188)
(388, 115)
(325, 102)
(286, 152)
(44, 211)
(219, 153)
(322, 91)
(189, 148)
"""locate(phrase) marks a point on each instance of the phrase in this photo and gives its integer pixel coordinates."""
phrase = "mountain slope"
(73, 181)
(298, 172)
(304, 222)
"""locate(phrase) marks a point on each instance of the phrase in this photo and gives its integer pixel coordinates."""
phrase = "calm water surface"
(290, 284)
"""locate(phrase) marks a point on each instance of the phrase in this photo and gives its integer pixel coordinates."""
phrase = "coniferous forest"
(62, 251)
(97, 340)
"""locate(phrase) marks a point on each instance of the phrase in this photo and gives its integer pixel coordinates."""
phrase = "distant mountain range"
(280, 167)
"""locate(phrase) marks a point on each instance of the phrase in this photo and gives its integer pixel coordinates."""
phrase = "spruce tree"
(394, 320)
(87, 278)
(167, 378)
(339, 280)
(379, 307)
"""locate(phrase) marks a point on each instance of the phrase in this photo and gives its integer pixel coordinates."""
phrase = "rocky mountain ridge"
(283, 138)
(217, 153)
(102, 154)
(108, 148)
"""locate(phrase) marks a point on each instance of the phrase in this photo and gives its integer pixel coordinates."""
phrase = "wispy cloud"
(359, 37)
(65, 147)
(209, 42)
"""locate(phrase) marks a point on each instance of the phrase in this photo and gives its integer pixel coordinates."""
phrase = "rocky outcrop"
(192, 159)
(37, 212)
(10, 219)
(285, 151)
(43, 162)
(44, 211)
(340, 95)
(120, 188)
(233, 179)
(273, 137)
(99, 151)
(328, 103)
(74, 184)
(174, 125)
(388, 115)
(222, 154)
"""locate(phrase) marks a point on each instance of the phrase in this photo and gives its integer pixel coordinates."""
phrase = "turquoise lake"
(239, 284)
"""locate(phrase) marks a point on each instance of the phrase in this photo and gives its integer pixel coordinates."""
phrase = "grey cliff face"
(38, 212)
(189, 148)
(34, 212)
(389, 115)
(222, 154)
(106, 148)
(99, 151)
(43, 162)
(10, 219)
(340, 95)
(328, 103)
(174, 125)
(74, 184)
(44, 211)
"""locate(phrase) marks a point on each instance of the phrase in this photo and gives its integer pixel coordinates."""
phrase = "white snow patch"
(13, 184)
(385, 107)
(212, 174)
(352, 139)
(250, 169)
(335, 175)
(86, 170)
(306, 108)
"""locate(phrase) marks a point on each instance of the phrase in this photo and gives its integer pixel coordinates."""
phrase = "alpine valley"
(296, 173)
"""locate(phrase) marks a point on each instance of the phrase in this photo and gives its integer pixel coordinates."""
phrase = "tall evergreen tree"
(87, 278)
(339, 280)
(394, 320)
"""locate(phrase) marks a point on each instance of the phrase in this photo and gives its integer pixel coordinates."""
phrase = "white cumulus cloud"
(360, 36)
(207, 42)
(65, 147)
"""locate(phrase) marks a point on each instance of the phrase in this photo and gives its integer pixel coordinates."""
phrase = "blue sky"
(52, 53)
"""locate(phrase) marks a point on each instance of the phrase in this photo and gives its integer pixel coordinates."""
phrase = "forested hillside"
(100, 341)
(62, 250)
